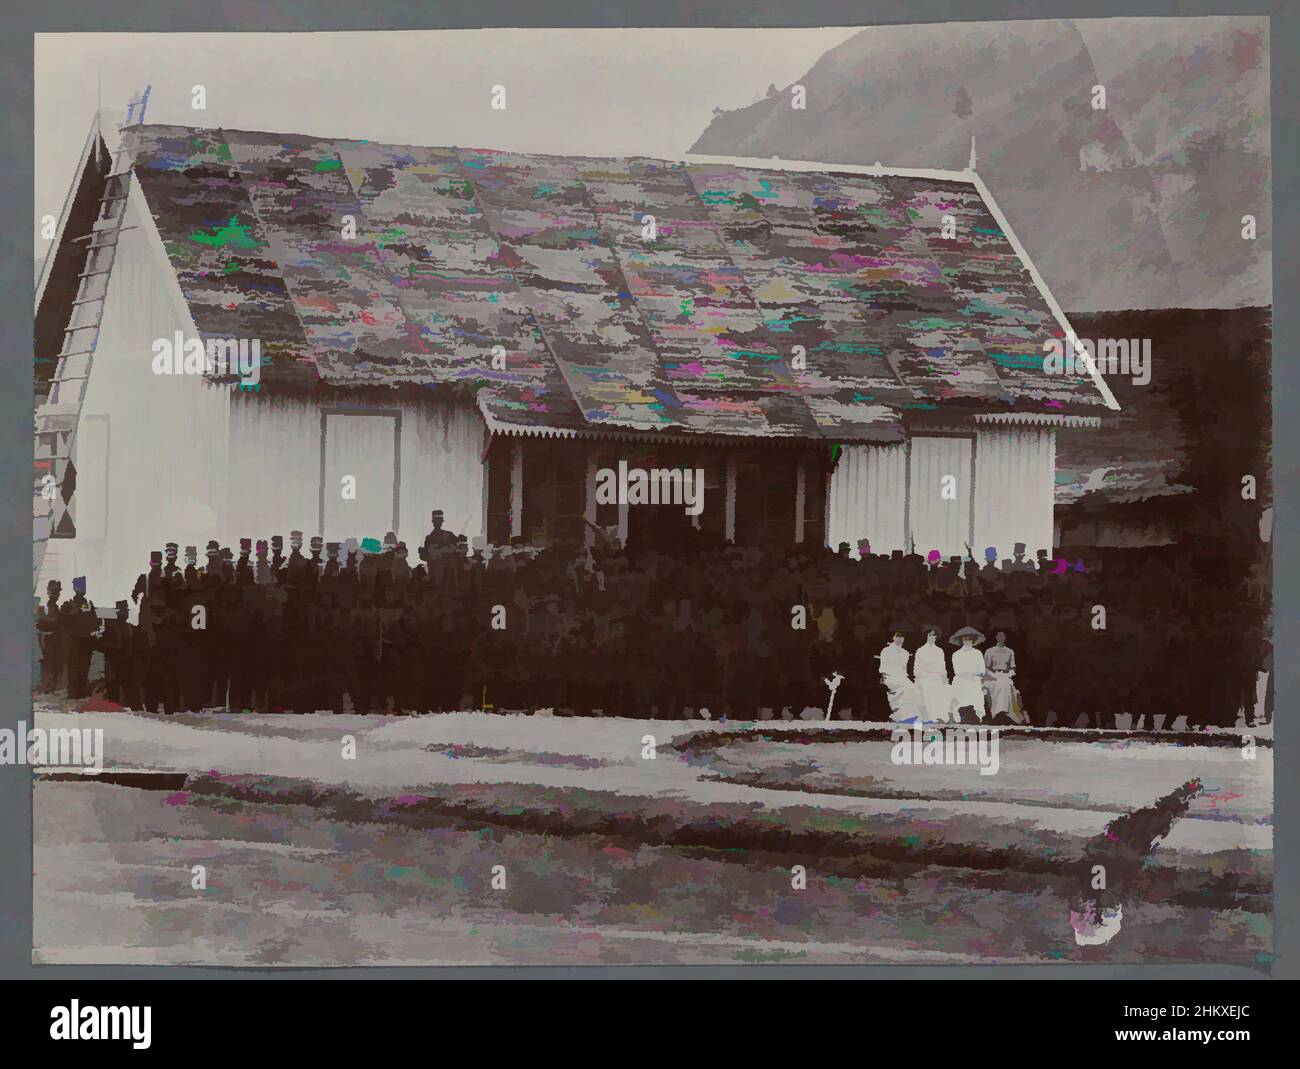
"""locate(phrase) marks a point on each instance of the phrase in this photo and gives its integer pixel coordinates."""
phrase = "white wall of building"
(939, 494)
(442, 468)
(148, 448)
(276, 478)
(273, 461)
(1015, 476)
(868, 497)
(1002, 491)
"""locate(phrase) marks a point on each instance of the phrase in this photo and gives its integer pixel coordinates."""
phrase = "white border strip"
(775, 163)
(654, 435)
(86, 150)
(1039, 281)
(1039, 419)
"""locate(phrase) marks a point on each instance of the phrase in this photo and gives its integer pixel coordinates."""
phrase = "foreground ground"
(312, 856)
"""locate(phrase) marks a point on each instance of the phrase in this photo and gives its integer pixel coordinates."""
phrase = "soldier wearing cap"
(438, 551)
(297, 562)
(81, 626)
(368, 562)
(1018, 562)
(121, 659)
(171, 569)
(952, 582)
(262, 572)
(149, 582)
(51, 638)
(330, 572)
(400, 565)
(191, 645)
(352, 560)
(244, 568)
(990, 577)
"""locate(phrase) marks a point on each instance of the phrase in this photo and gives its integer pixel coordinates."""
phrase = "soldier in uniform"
(297, 562)
(171, 570)
(438, 551)
(316, 564)
(121, 659)
(192, 645)
(212, 573)
(990, 577)
(369, 564)
(262, 572)
(330, 573)
(50, 636)
(401, 568)
(191, 564)
(151, 581)
(244, 568)
(1018, 562)
(80, 626)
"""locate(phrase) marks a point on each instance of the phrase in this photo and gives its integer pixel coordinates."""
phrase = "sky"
(585, 92)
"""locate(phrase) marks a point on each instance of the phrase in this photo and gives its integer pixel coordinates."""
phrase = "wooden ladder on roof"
(55, 481)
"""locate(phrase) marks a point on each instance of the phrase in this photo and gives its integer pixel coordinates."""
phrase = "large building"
(847, 353)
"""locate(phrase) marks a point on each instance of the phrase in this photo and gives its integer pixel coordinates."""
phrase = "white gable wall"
(148, 447)
(173, 458)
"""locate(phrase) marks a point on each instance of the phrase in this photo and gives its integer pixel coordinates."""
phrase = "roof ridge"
(774, 163)
(878, 170)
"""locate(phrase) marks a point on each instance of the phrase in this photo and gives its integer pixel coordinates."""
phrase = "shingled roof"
(461, 250)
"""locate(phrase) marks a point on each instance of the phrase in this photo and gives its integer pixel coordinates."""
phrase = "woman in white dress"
(968, 672)
(905, 704)
(930, 667)
(1000, 661)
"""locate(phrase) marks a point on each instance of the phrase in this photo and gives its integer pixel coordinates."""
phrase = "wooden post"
(800, 495)
(589, 501)
(731, 497)
(517, 487)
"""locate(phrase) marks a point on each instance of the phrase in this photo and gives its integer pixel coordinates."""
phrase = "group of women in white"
(980, 684)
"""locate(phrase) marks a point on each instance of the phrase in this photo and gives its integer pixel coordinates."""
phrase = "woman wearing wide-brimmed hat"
(968, 672)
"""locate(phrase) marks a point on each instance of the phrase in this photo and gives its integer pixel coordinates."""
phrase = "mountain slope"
(1138, 205)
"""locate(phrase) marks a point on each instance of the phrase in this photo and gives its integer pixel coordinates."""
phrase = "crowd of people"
(743, 632)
